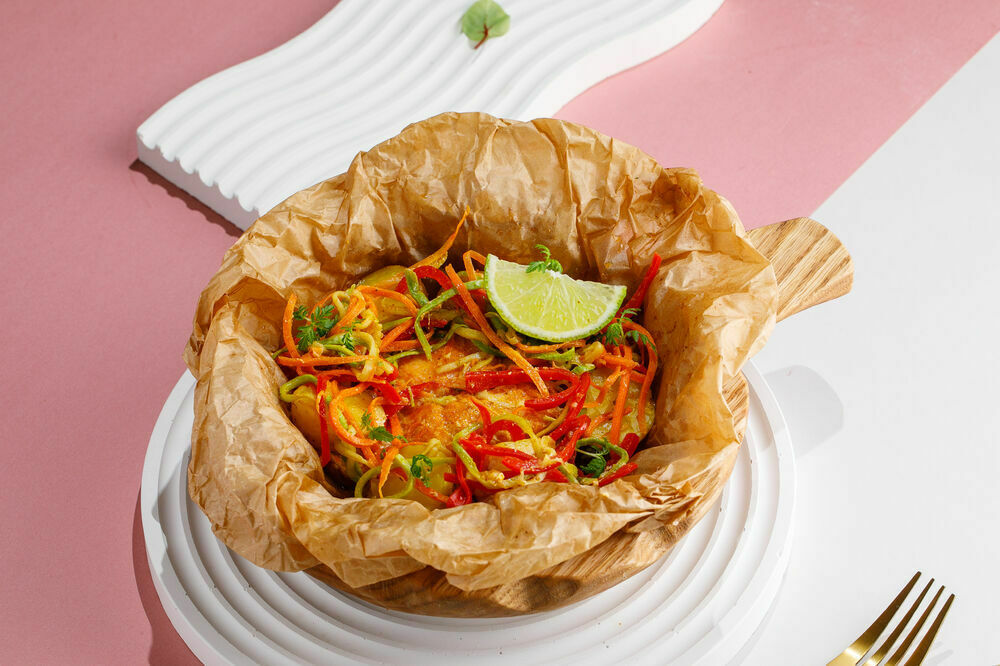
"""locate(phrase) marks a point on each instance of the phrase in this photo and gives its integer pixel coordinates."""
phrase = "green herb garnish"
(615, 333)
(545, 264)
(315, 326)
(420, 466)
(595, 455)
(379, 433)
(484, 19)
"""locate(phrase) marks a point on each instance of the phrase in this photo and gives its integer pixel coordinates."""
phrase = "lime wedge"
(548, 305)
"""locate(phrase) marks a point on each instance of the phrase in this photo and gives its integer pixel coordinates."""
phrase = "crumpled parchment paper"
(604, 208)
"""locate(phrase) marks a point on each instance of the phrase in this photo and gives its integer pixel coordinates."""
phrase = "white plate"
(246, 138)
(699, 605)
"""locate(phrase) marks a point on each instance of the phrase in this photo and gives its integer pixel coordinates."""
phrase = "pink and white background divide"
(776, 103)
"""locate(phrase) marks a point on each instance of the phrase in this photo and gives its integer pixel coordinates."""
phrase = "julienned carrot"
(596, 422)
(612, 359)
(647, 379)
(386, 293)
(608, 383)
(396, 332)
(286, 326)
(488, 331)
(401, 345)
(350, 315)
(470, 269)
(383, 474)
(438, 257)
(616, 422)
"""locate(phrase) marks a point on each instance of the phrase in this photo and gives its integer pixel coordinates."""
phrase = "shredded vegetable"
(378, 371)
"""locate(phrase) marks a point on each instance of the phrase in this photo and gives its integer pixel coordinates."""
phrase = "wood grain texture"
(812, 266)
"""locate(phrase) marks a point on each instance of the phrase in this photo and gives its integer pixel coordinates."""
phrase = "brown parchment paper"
(604, 208)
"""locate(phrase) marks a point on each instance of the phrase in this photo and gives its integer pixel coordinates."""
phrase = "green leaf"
(548, 263)
(594, 452)
(381, 434)
(483, 20)
(420, 465)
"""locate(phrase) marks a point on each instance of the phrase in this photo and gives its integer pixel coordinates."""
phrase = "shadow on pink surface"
(166, 648)
(189, 201)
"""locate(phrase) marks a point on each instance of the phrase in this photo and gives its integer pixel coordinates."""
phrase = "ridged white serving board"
(699, 605)
(243, 140)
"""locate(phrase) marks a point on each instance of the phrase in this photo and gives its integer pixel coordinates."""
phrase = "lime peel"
(561, 308)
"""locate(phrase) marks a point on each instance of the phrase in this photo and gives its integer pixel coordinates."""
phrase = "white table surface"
(891, 393)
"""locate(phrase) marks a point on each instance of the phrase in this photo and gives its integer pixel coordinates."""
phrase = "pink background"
(101, 269)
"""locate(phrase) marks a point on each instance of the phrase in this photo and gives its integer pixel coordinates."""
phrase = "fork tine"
(888, 642)
(925, 644)
(897, 656)
(852, 655)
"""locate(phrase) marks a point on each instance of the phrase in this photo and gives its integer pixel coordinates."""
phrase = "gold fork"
(859, 648)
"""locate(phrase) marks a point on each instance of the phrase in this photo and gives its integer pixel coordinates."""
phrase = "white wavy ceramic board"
(699, 605)
(245, 139)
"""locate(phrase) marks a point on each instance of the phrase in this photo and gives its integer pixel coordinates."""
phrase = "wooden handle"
(811, 264)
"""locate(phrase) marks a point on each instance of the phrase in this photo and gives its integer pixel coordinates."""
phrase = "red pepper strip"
(574, 407)
(625, 469)
(556, 475)
(425, 387)
(480, 380)
(502, 451)
(630, 442)
(553, 400)
(462, 494)
(324, 434)
(473, 443)
(527, 467)
(640, 293)
(393, 400)
(430, 492)
(507, 426)
(484, 413)
(568, 450)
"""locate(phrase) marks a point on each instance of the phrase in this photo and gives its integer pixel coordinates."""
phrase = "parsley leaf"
(483, 20)
(316, 325)
(417, 466)
(546, 264)
(615, 333)
(378, 433)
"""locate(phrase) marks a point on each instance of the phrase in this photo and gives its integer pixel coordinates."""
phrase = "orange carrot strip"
(491, 335)
(438, 257)
(286, 326)
(619, 413)
(470, 270)
(350, 315)
(390, 454)
(394, 427)
(608, 383)
(395, 333)
(401, 345)
(395, 295)
(647, 380)
(612, 359)
(321, 302)
(596, 422)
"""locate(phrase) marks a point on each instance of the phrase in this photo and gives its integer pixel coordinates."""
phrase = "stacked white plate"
(248, 137)
(699, 605)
